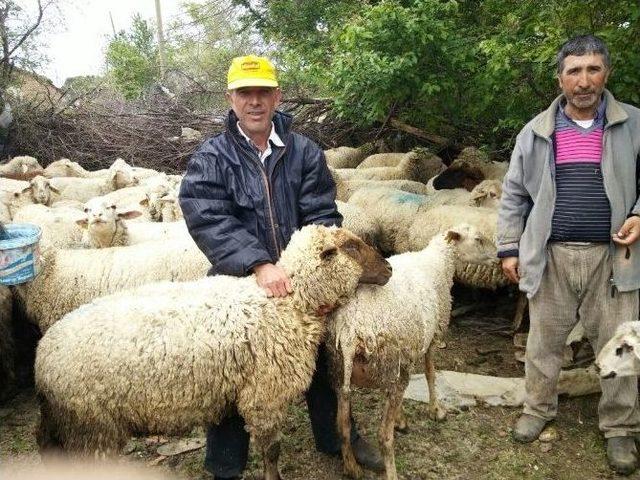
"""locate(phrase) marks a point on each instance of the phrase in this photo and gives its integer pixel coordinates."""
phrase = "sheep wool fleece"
(170, 356)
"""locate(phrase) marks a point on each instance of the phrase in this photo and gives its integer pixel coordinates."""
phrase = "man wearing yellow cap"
(245, 192)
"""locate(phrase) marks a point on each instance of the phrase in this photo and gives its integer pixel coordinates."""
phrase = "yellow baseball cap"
(251, 71)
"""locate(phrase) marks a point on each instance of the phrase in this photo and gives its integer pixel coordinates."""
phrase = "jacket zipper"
(268, 190)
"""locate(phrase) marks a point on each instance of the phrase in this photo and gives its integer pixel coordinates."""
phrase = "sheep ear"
(24, 190)
(129, 215)
(54, 189)
(83, 223)
(452, 236)
(144, 202)
(328, 252)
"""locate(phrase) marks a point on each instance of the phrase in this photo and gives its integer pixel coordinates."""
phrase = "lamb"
(105, 227)
(380, 333)
(58, 224)
(170, 356)
(357, 221)
(348, 157)
(620, 356)
(418, 165)
(21, 168)
(7, 349)
(72, 277)
(470, 168)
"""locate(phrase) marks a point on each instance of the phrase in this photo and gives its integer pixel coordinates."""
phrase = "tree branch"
(29, 31)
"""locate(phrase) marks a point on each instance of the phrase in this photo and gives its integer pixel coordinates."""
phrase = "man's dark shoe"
(528, 428)
(622, 455)
(367, 456)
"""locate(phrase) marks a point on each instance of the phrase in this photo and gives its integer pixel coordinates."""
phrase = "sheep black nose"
(609, 375)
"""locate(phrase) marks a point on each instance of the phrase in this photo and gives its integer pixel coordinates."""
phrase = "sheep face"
(486, 194)
(375, 269)
(327, 264)
(620, 357)
(102, 217)
(40, 190)
(472, 245)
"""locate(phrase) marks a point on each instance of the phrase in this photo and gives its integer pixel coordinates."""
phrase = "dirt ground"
(472, 444)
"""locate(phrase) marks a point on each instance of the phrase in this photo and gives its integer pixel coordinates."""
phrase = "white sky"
(78, 47)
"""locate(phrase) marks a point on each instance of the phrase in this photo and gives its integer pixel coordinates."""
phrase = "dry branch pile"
(95, 133)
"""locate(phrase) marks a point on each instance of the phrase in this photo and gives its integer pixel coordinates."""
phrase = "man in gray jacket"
(567, 232)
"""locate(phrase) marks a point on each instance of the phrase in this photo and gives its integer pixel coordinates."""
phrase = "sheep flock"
(123, 283)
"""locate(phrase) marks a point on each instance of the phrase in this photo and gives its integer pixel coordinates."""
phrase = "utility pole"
(160, 39)
(113, 27)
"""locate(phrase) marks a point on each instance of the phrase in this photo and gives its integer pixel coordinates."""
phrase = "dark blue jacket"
(241, 213)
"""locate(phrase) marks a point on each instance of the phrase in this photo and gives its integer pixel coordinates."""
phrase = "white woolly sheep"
(390, 159)
(171, 356)
(418, 165)
(105, 227)
(380, 333)
(72, 277)
(65, 168)
(346, 188)
(620, 356)
(84, 189)
(433, 221)
(356, 220)
(392, 209)
(21, 168)
(58, 224)
(348, 157)
(486, 194)
(470, 168)
(7, 350)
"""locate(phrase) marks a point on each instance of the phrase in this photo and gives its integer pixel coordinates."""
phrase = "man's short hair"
(583, 45)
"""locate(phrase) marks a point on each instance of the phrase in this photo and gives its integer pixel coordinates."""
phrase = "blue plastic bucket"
(19, 253)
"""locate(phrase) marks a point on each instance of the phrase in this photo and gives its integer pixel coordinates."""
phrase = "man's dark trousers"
(228, 442)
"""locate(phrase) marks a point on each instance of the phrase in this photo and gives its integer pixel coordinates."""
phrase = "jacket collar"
(281, 122)
(545, 124)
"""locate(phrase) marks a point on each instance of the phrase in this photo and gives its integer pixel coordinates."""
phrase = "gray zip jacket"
(529, 196)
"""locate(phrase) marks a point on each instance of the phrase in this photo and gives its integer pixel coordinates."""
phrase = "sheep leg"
(49, 442)
(350, 466)
(385, 435)
(401, 421)
(436, 411)
(270, 455)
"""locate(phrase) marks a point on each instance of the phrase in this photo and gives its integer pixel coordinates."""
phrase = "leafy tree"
(132, 59)
(473, 71)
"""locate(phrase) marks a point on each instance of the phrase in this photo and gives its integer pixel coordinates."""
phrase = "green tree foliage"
(205, 40)
(132, 59)
(473, 71)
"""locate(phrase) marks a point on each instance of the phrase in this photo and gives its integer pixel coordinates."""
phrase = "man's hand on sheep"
(510, 268)
(273, 280)
(629, 232)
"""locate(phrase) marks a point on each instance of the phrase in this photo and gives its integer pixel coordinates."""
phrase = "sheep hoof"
(437, 413)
